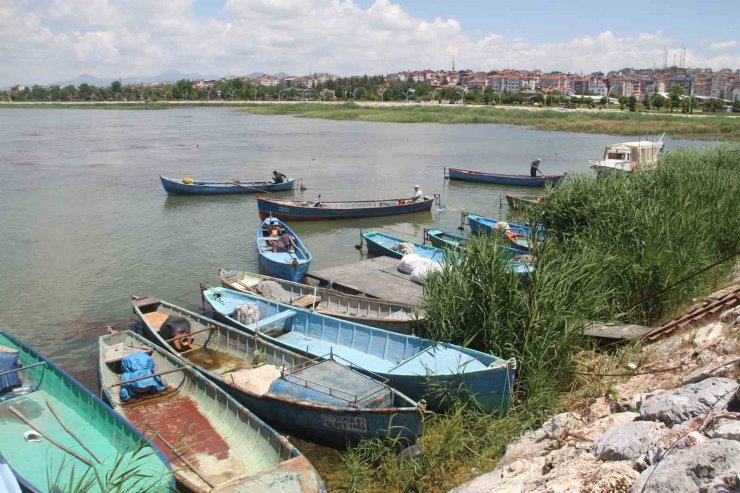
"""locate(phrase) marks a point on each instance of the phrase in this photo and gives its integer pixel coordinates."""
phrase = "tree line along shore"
(707, 126)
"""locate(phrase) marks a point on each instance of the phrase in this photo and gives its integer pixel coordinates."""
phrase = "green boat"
(214, 442)
(57, 435)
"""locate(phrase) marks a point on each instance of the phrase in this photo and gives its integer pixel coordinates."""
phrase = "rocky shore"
(673, 426)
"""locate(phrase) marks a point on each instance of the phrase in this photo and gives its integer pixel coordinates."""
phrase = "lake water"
(85, 223)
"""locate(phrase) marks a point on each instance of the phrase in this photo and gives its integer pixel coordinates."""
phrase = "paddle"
(235, 182)
(359, 247)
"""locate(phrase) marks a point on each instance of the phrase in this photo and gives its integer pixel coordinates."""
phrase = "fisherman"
(278, 177)
(418, 194)
(535, 167)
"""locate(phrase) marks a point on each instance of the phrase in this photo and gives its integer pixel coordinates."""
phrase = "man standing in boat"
(535, 167)
(278, 177)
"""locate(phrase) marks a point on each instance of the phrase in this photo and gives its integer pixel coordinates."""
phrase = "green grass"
(702, 127)
(622, 123)
(612, 242)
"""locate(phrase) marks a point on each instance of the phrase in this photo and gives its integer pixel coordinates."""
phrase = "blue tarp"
(9, 361)
(135, 366)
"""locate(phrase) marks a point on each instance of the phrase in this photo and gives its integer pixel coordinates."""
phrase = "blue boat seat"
(278, 317)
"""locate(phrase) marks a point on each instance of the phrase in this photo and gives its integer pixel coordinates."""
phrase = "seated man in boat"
(418, 194)
(278, 177)
(535, 167)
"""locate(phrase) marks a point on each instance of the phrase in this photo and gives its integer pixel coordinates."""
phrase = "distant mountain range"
(166, 76)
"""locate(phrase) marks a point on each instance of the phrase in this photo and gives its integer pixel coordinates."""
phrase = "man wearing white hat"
(418, 194)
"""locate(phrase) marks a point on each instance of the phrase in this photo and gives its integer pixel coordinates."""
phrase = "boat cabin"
(629, 156)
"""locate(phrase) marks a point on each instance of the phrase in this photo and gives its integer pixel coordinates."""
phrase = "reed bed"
(611, 243)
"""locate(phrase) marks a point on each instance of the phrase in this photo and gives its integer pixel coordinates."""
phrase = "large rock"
(693, 469)
(725, 428)
(627, 442)
(709, 334)
(558, 424)
(689, 401)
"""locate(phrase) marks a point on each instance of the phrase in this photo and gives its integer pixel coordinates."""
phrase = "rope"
(683, 280)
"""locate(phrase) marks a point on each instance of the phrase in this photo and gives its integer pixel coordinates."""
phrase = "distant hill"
(166, 76)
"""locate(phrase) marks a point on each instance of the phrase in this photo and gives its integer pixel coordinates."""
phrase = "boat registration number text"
(344, 422)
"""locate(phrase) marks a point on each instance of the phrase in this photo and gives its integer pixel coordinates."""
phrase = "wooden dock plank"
(377, 277)
(616, 331)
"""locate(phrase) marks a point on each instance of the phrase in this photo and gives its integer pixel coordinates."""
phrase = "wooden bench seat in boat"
(278, 317)
(156, 319)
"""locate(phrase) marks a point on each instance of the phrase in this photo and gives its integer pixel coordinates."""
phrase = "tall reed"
(610, 243)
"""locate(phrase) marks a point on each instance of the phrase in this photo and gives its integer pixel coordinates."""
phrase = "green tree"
(623, 102)
(632, 103)
(646, 101)
(658, 101)
(115, 89)
(85, 91)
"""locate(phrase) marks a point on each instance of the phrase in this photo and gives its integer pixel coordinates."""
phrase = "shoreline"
(709, 127)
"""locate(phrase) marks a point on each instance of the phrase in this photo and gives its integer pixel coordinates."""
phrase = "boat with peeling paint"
(388, 315)
(316, 399)
(419, 368)
(214, 442)
(56, 434)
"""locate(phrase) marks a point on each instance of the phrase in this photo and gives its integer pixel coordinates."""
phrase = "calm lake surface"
(85, 223)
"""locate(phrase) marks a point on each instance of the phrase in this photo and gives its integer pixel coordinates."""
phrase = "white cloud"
(724, 45)
(64, 38)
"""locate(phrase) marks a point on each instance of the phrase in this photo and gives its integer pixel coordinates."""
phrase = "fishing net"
(247, 313)
(273, 291)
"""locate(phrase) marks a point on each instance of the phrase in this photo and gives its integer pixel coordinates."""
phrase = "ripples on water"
(84, 222)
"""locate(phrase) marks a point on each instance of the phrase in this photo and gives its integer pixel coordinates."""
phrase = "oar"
(235, 182)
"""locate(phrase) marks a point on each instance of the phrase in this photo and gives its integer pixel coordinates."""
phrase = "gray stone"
(627, 442)
(725, 428)
(692, 469)
(709, 334)
(555, 426)
(689, 401)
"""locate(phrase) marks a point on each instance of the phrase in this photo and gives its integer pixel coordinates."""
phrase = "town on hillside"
(714, 90)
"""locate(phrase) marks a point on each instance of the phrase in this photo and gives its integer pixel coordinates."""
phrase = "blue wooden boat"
(523, 201)
(419, 368)
(444, 240)
(301, 211)
(56, 434)
(319, 400)
(215, 443)
(174, 186)
(452, 241)
(290, 262)
(391, 246)
(501, 179)
(486, 225)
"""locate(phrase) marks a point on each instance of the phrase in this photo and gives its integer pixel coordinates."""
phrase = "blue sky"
(47, 40)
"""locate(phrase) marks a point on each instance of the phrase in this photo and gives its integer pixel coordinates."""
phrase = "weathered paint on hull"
(516, 180)
(297, 213)
(177, 187)
(106, 433)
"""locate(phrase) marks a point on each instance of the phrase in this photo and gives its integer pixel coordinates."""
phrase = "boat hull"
(515, 180)
(107, 434)
(176, 187)
(443, 240)
(294, 212)
(382, 244)
(234, 450)
(291, 266)
(300, 413)
(332, 301)
(418, 372)
(523, 201)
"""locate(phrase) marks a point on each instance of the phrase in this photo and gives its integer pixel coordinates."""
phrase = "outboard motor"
(176, 331)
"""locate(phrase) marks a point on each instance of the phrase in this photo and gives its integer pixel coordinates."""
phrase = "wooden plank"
(377, 277)
(306, 300)
(117, 352)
